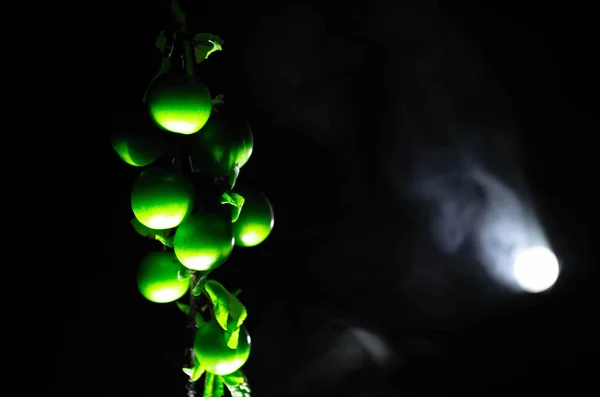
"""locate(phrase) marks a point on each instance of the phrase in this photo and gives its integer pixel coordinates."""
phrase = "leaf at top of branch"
(205, 44)
(178, 15)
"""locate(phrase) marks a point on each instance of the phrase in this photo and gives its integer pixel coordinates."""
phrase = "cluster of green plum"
(168, 206)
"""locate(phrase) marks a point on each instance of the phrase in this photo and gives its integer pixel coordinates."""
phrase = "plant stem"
(188, 51)
(192, 327)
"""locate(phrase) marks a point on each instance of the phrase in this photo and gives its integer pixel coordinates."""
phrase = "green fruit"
(179, 103)
(138, 150)
(204, 241)
(210, 347)
(223, 143)
(157, 278)
(161, 199)
(256, 219)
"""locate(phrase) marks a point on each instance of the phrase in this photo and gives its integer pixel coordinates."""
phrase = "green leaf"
(199, 287)
(165, 65)
(183, 273)
(239, 199)
(209, 385)
(240, 390)
(236, 201)
(219, 390)
(233, 338)
(227, 199)
(178, 15)
(197, 371)
(205, 44)
(230, 313)
(161, 42)
(167, 241)
(183, 307)
(217, 101)
(234, 379)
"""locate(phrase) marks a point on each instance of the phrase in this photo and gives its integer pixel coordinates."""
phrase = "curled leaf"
(235, 200)
(205, 44)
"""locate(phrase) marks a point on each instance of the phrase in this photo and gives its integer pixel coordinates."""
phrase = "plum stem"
(192, 327)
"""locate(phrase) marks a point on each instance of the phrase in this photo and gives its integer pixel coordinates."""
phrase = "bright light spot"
(536, 269)
(250, 238)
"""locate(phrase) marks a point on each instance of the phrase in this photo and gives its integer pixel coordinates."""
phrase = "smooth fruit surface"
(223, 143)
(256, 220)
(161, 199)
(157, 278)
(213, 353)
(203, 241)
(179, 103)
(137, 150)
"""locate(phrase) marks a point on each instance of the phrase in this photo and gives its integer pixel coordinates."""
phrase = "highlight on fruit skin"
(225, 142)
(161, 199)
(210, 346)
(179, 103)
(157, 278)
(136, 149)
(256, 219)
(203, 241)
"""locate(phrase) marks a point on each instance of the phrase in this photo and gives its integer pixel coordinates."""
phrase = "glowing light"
(536, 269)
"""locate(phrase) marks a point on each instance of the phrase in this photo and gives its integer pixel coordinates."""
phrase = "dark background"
(327, 89)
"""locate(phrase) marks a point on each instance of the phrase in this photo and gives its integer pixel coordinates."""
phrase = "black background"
(313, 276)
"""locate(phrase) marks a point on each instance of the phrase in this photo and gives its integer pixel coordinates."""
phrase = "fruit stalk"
(192, 327)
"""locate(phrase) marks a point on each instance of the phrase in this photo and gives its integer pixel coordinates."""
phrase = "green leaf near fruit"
(230, 313)
(236, 201)
(197, 371)
(205, 44)
(234, 379)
